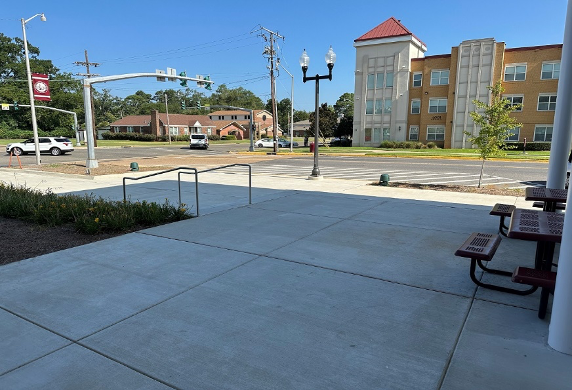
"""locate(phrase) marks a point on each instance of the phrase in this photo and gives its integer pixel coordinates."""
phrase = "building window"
(550, 70)
(416, 106)
(435, 133)
(417, 79)
(173, 130)
(515, 72)
(546, 103)
(389, 79)
(220, 117)
(515, 134)
(439, 77)
(116, 129)
(376, 135)
(379, 80)
(367, 133)
(515, 100)
(369, 107)
(378, 106)
(543, 133)
(386, 134)
(414, 133)
(437, 105)
(387, 105)
(130, 129)
(370, 81)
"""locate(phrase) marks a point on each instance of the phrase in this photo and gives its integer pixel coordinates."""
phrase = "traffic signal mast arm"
(91, 162)
(103, 79)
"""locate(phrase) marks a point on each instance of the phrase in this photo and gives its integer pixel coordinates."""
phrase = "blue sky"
(217, 39)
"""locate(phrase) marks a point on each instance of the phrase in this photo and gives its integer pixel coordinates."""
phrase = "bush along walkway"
(88, 214)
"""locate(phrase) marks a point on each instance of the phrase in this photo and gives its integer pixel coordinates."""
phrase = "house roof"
(174, 120)
(133, 120)
(388, 29)
(186, 120)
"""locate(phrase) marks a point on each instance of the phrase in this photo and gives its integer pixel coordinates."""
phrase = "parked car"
(343, 141)
(269, 143)
(53, 145)
(199, 141)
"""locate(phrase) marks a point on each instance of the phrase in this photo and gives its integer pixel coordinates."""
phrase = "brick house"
(237, 122)
(401, 94)
(156, 124)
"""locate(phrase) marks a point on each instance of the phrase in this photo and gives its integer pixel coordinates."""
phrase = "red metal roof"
(390, 28)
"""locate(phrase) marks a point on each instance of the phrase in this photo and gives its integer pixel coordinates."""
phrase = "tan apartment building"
(237, 122)
(403, 95)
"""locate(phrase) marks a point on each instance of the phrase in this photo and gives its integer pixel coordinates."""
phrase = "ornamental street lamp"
(30, 88)
(304, 62)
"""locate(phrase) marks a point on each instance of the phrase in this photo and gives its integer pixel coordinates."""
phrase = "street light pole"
(304, 62)
(291, 107)
(30, 88)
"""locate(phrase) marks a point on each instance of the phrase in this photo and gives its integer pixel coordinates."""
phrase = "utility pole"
(88, 74)
(269, 51)
(168, 124)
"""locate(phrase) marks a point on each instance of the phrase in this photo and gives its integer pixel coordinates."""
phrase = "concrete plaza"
(329, 284)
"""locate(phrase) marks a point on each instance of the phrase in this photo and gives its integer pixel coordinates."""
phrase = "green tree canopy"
(237, 97)
(345, 105)
(495, 125)
(328, 121)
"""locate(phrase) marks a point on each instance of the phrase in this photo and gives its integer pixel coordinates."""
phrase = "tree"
(495, 125)
(13, 86)
(237, 97)
(283, 112)
(345, 127)
(328, 121)
(301, 115)
(345, 105)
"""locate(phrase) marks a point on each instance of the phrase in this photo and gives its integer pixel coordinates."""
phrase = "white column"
(560, 331)
(562, 133)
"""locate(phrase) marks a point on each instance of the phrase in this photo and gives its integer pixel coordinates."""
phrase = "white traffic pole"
(91, 162)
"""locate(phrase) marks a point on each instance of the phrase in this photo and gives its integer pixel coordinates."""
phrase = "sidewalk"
(318, 284)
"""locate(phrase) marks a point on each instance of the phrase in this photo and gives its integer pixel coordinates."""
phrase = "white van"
(199, 141)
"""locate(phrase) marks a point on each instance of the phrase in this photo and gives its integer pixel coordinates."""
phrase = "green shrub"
(128, 136)
(229, 137)
(532, 146)
(431, 145)
(214, 137)
(387, 144)
(25, 134)
(88, 214)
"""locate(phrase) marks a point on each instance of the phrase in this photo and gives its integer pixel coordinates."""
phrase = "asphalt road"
(415, 170)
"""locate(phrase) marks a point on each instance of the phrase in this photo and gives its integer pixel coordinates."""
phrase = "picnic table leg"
(544, 295)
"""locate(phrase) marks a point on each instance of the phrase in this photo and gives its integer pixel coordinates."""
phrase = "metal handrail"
(160, 173)
(196, 173)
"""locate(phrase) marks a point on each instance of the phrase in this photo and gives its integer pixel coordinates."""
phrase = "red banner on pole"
(41, 86)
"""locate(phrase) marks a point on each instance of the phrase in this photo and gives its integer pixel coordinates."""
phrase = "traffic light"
(183, 82)
(208, 85)
(183, 105)
(199, 104)
(16, 105)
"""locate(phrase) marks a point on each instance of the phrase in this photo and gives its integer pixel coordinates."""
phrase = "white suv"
(199, 141)
(53, 145)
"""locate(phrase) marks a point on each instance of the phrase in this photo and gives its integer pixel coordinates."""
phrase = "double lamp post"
(304, 62)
